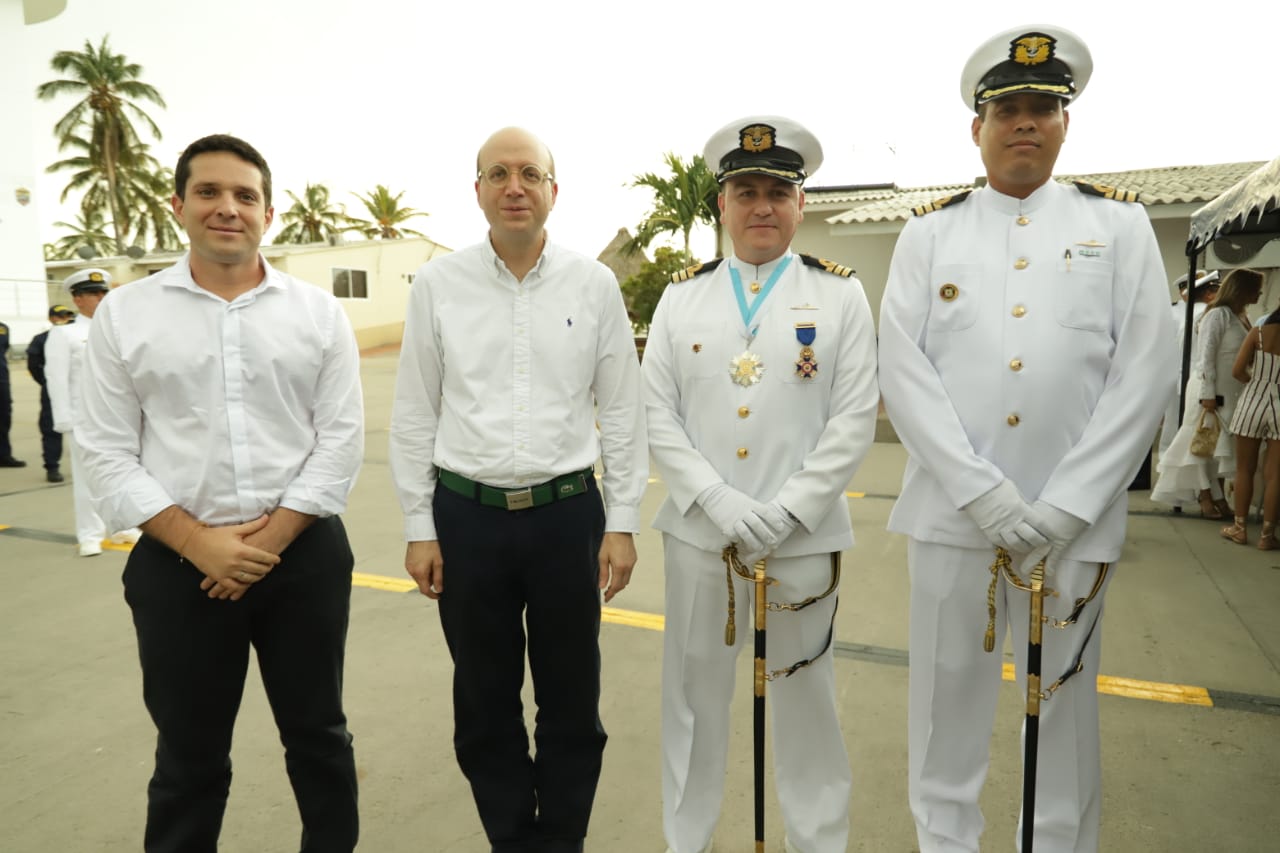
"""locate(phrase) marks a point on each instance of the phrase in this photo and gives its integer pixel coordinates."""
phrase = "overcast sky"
(402, 93)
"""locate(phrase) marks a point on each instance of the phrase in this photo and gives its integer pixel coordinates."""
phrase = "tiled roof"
(1162, 185)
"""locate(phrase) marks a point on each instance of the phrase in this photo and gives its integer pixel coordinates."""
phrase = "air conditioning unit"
(1258, 251)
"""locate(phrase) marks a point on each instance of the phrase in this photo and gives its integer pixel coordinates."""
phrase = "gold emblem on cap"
(757, 137)
(96, 276)
(1032, 49)
(948, 292)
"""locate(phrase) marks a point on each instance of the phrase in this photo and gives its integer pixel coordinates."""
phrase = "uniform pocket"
(1082, 294)
(954, 301)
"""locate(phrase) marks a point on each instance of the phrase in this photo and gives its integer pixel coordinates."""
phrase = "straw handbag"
(1205, 438)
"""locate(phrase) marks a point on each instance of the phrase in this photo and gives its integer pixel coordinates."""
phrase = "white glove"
(772, 523)
(1006, 518)
(726, 507)
(1061, 528)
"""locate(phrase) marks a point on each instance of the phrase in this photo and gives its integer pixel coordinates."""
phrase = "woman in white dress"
(1211, 388)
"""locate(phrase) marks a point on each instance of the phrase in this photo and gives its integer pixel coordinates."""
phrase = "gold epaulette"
(830, 266)
(697, 269)
(1104, 191)
(939, 203)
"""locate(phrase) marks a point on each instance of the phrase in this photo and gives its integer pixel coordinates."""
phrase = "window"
(350, 284)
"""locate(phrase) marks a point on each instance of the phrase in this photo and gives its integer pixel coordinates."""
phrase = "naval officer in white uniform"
(1024, 362)
(760, 391)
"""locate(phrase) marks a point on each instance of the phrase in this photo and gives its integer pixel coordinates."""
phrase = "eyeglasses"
(531, 176)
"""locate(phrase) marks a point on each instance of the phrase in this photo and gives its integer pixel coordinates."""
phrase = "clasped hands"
(756, 527)
(1040, 530)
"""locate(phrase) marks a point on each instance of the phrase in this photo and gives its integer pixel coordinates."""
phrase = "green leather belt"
(560, 488)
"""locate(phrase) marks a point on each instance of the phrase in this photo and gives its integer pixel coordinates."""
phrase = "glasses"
(531, 176)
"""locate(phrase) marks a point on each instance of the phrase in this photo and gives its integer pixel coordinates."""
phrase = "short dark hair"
(221, 142)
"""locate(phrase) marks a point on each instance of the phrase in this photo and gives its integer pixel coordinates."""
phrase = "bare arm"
(1240, 370)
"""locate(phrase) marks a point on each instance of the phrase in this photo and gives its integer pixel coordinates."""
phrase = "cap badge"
(756, 138)
(1032, 49)
(96, 277)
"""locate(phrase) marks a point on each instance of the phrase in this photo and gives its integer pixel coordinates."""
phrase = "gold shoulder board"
(1104, 191)
(939, 203)
(830, 266)
(697, 269)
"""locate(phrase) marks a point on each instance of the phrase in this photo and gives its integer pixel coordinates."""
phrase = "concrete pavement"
(1186, 608)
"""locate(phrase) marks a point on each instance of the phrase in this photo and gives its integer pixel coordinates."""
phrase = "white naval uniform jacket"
(786, 438)
(64, 371)
(1026, 339)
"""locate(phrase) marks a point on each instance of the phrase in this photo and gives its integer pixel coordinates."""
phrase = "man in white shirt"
(1024, 362)
(514, 349)
(760, 389)
(223, 414)
(64, 377)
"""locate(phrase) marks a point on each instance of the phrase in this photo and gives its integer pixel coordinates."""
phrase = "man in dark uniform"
(50, 438)
(6, 404)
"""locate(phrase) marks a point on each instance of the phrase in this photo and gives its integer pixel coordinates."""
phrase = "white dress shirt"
(504, 381)
(64, 370)
(1027, 339)
(226, 409)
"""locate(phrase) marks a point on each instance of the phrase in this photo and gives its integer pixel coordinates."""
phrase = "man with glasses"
(1024, 354)
(518, 371)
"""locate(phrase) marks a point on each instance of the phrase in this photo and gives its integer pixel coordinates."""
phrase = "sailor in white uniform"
(1024, 362)
(760, 391)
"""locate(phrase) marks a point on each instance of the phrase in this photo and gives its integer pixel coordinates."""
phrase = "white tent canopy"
(1249, 207)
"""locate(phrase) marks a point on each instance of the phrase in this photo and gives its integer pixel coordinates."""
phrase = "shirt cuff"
(622, 519)
(419, 528)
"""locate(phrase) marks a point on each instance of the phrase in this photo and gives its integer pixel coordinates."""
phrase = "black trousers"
(50, 438)
(6, 411)
(504, 572)
(195, 653)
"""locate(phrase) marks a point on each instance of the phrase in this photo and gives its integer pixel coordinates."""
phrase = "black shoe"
(12, 463)
(54, 476)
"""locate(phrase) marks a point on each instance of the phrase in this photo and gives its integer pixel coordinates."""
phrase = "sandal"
(1209, 509)
(1223, 507)
(1236, 532)
(1267, 541)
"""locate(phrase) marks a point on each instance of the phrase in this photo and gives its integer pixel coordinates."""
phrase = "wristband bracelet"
(183, 547)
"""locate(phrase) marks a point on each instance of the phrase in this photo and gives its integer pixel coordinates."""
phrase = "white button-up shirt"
(226, 409)
(504, 381)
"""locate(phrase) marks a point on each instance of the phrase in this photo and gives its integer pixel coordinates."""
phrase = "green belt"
(531, 496)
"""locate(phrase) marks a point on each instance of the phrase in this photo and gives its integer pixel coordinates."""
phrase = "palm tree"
(140, 204)
(107, 85)
(386, 216)
(684, 199)
(89, 230)
(312, 218)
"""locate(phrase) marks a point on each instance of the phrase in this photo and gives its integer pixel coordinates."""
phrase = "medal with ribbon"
(747, 369)
(807, 366)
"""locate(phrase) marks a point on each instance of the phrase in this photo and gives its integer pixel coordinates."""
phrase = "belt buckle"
(522, 499)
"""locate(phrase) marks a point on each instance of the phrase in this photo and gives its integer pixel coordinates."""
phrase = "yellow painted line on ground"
(1154, 691)
(4, 527)
(1131, 688)
(383, 582)
(855, 494)
(633, 618)
(108, 545)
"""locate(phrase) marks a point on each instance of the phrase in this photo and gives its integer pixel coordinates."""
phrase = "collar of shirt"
(1009, 205)
(540, 269)
(179, 275)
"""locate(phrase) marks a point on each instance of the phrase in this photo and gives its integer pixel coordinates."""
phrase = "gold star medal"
(746, 369)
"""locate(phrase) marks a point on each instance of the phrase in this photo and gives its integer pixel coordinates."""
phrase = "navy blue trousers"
(195, 654)
(504, 573)
(50, 438)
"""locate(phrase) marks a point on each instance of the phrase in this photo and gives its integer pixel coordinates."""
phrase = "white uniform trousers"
(952, 700)
(811, 767)
(90, 529)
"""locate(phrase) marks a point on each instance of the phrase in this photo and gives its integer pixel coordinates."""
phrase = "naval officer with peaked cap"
(760, 392)
(1024, 358)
